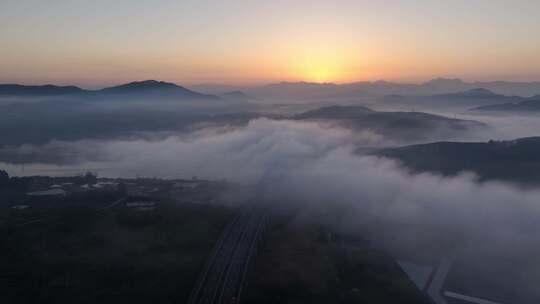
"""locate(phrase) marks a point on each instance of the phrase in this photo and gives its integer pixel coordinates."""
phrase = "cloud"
(240, 154)
(312, 167)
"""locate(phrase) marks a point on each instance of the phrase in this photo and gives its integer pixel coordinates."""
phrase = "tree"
(90, 178)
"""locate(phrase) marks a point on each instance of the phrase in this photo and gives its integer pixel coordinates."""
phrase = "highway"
(435, 288)
(223, 277)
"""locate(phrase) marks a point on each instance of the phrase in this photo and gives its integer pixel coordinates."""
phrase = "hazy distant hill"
(528, 106)
(154, 88)
(133, 90)
(38, 123)
(296, 91)
(457, 101)
(337, 112)
(316, 91)
(42, 90)
(109, 113)
(409, 126)
(517, 160)
(238, 96)
(215, 89)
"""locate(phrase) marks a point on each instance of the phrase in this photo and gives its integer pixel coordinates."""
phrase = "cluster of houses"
(64, 188)
(184, 190)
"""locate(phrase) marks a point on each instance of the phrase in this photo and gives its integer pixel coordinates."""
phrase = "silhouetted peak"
(143, 85)
(445, 81)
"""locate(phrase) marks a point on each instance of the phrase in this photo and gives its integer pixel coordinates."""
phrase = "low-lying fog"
(502, 127)
(312, 166)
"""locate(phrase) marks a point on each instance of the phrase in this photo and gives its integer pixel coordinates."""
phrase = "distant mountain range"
(133, 90)
(526, 106)
(399, 126)
(295, 91)
(318, 91)
(457, 101)
(516, 160)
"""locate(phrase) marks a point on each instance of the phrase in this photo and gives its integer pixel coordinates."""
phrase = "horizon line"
(195, 84)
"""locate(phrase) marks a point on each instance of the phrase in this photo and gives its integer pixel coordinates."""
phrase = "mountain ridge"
(529, 105)
(142, 88)
(395, 125)
(37, 90)
(462, 100)
(511, 160)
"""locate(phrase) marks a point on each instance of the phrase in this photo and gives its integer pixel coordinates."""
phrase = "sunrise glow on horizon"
(95, 43)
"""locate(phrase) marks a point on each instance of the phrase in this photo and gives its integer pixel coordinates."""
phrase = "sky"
(97, 43)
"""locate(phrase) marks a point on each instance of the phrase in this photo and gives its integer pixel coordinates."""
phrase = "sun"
(321, 67)
(320, 74)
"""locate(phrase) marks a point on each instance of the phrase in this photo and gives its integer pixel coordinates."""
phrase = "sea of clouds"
(314, 167)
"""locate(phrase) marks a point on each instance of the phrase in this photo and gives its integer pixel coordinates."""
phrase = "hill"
(516, 160)
(237, 96)
(459, 101)
(531, 105)
(15, 90)
(153, 88)
(133, 90)
(403, 126)
(336, 112)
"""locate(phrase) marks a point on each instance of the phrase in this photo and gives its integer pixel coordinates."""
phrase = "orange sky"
(96, 43)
